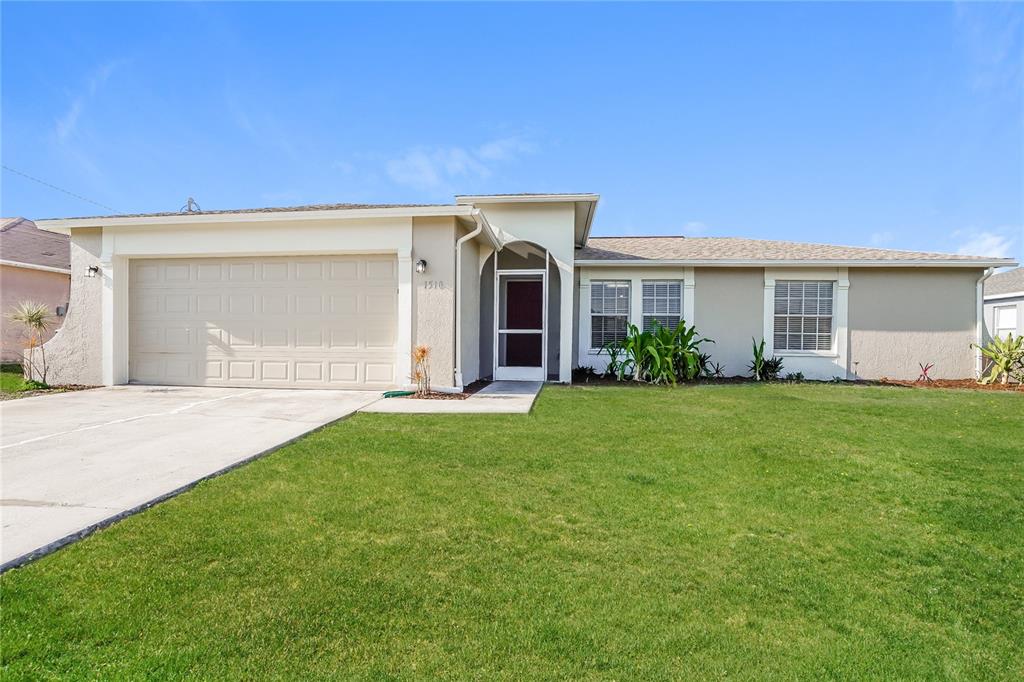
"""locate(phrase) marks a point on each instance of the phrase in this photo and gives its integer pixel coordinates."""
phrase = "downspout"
(980, 326)
(478, 218)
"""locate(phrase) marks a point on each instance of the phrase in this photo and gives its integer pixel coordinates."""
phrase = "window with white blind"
(1005, 319)
(662, 302)
(803, 315)
(609, 312)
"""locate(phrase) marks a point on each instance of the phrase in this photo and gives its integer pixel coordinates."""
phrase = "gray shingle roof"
(1008, 282)
(22, 242)
(734, 248)
(269, 209)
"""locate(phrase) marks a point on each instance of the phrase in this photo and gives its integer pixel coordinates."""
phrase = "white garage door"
(305, 321)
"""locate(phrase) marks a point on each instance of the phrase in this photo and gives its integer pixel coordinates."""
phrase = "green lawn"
(746, 531)
(12, 379)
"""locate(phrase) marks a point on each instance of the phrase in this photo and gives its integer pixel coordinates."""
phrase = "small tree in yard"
(421, 370)
(36, 319)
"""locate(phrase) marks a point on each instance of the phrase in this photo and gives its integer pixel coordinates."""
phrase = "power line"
(59, 189)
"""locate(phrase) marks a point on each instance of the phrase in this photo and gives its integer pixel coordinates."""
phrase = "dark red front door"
(524, 309)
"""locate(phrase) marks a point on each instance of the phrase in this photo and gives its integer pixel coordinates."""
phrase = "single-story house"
(505, 286)
(35, 266)
(1004, 304)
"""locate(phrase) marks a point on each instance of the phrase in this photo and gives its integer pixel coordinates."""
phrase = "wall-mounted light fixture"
(421, 266)
(92, 271)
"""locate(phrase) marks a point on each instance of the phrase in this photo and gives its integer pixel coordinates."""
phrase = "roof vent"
(190, 207)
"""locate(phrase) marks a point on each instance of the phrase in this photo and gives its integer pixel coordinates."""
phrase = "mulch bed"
(438, 395)
(44, 391)
(969, 384)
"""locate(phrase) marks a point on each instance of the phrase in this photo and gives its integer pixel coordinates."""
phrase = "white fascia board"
(65, 225)
(492, 234)
(521, 199)
(998, 297)
(33, 266)
(729, 263)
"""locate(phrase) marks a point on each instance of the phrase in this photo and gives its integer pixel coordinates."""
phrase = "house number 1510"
(435, 284)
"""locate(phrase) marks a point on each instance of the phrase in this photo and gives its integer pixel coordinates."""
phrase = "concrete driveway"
(71, 461)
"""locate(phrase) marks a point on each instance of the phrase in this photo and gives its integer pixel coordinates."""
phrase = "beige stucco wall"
(729, 308)
(18, 285)
(433, 305)
(902, 317)
(75, 355)
(470, 310)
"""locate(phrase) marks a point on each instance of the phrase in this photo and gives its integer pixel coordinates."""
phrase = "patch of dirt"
(440, 395)
(969, 384)
(44, 391)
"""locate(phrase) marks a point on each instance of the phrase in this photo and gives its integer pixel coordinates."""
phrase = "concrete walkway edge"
(500, 397)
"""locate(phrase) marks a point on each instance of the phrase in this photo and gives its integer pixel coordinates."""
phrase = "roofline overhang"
(65, 225)
(524, 198)
(34, 266)
(732, 263)
(999, 297)
(584, 207)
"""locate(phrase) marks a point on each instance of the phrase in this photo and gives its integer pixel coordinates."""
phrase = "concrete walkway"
(500, 397)
(72, 462)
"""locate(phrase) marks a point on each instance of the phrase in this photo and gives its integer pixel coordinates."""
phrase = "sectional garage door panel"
(321, 322)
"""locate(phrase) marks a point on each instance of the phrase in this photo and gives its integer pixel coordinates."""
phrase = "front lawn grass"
(12, 379)
(749, 531)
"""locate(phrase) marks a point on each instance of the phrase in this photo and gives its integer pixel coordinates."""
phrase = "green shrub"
(660, 355)
(762, 368)
(1005, 359)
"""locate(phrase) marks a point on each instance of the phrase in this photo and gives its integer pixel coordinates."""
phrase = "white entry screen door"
(520, 339)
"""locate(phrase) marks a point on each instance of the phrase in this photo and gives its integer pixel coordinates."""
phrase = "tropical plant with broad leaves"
(762, 368)
(1005, 358)
(37, 320)
(659, 355)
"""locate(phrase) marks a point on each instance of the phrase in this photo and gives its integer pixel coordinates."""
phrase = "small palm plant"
(1005, 359)
(762, 368)
(37, 320)
(421, 370)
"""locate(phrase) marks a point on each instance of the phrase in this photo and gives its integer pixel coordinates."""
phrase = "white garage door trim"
(287, 321)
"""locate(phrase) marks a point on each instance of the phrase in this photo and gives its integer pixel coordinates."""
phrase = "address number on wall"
(435, 284)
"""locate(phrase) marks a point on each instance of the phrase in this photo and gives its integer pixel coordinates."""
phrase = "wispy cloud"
(998, 243)
(990, 35)
(694, 228)
(253, 118)
(435, 168)
(882, 238)
(66, 125)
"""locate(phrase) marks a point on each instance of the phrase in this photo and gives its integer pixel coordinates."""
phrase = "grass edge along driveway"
(755, 531)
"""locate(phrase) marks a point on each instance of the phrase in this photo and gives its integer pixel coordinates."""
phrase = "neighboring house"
(1004, 304)
(502, 286)
(35, 265)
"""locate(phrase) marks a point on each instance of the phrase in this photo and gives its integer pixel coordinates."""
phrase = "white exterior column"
(768, 320)
(842, 324)
(688, 294)
(403, 352)
(565, 331)
(114, 311)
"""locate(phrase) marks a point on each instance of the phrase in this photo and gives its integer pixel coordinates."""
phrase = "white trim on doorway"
(513, 373)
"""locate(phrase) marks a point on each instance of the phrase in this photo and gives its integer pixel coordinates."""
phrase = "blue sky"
(897, 125)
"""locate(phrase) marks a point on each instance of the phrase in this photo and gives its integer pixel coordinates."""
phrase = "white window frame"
(802, 316)
(586, 356)
(590, 305)
(643, 301)
(996, 329)
(818, 364)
